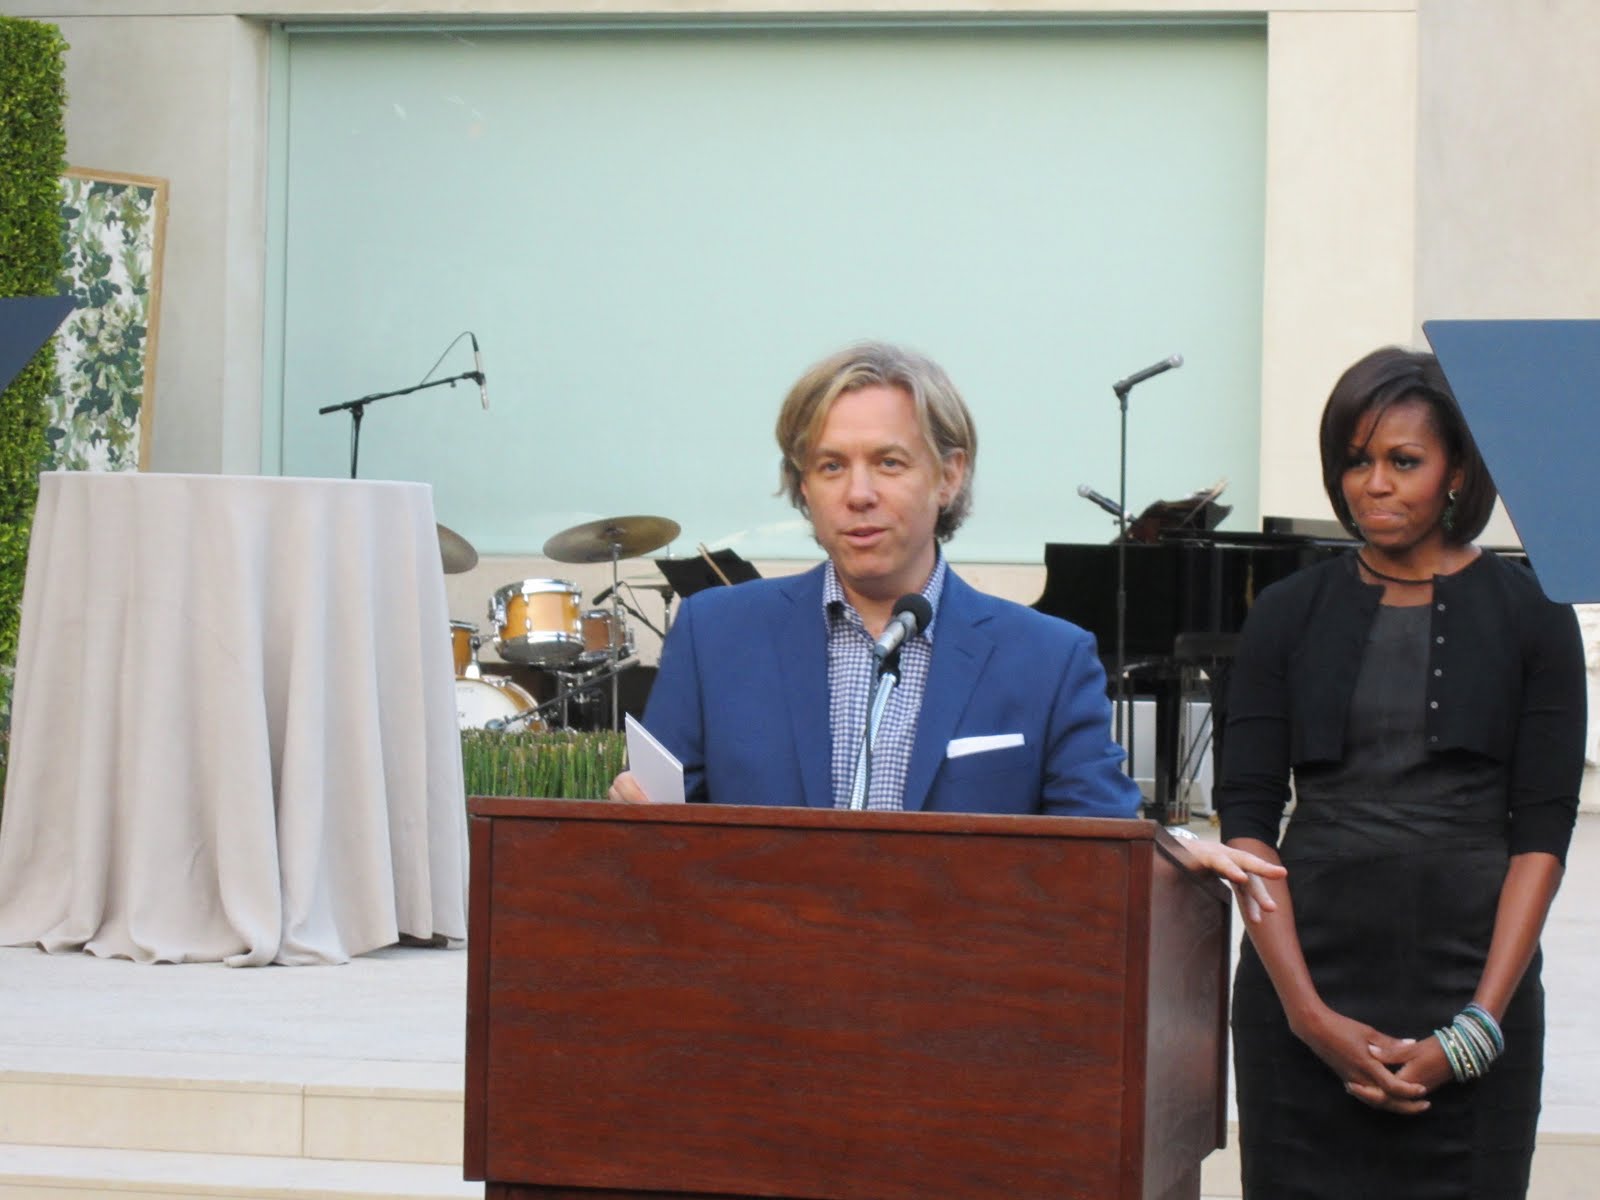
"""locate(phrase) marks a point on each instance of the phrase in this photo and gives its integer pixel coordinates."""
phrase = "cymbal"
(595, 541)
(455, 551)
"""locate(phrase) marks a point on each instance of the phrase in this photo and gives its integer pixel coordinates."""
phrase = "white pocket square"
(961, 747)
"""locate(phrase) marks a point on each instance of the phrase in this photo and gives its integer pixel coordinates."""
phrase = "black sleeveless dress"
(1396, 860)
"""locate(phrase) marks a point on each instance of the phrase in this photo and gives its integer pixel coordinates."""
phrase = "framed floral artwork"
(113, 227)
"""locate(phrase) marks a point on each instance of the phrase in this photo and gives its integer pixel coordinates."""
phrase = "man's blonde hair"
(942, 415)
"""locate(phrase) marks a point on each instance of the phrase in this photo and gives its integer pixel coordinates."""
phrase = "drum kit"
(542, 623)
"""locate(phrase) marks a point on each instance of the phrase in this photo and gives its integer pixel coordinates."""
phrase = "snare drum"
(537, 622)
(597, 637)
(464, 649)
(479, 701)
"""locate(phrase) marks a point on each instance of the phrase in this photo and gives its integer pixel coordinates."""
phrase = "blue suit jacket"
(742, 700)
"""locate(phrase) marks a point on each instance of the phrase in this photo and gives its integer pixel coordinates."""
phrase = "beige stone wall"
(185, 98)
(1340, 232)
(1508, 154)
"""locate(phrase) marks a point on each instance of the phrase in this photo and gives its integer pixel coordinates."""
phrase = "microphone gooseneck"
(912, 614)
(477, 371)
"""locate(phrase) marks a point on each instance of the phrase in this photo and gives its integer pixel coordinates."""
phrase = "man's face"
(874, 489)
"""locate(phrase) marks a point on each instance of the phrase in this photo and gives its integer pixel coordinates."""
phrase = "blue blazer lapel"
(960, 652)
(801, 639)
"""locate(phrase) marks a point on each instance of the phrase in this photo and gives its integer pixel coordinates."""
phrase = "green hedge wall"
(33, 154)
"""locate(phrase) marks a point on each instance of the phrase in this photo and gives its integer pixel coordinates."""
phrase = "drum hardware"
(602, 640)
(612, 539)
(569, 692)
(455, 552)
(494, 702)
(536, 622)
(665, 589)
(464, 643)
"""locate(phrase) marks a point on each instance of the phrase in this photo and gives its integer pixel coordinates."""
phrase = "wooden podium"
(703, 1001)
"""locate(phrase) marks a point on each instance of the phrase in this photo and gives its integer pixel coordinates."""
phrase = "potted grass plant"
(559, 765)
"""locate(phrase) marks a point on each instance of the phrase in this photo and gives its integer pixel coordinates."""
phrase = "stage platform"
(198, 1081)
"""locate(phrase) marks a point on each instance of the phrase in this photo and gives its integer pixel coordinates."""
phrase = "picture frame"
(113, 241)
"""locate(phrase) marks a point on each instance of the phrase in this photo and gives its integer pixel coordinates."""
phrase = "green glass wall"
(653, 230)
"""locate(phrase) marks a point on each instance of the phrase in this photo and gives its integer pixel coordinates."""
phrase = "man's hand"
(625, 789)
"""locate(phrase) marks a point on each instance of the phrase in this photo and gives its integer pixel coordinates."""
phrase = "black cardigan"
(1506, 680)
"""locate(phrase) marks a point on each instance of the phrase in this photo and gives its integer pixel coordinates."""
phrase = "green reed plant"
(560, 766)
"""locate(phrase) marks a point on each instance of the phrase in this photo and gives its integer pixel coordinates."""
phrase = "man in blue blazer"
(762, 690)
(1014, 715)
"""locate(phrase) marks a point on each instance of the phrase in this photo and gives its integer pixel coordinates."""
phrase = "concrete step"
(82, 1173)
(405, 1113)
(159, 1124)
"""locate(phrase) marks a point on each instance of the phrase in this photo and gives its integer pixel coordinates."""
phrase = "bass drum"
(480, 701)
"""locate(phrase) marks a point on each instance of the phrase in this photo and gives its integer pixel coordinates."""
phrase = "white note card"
(653, 765)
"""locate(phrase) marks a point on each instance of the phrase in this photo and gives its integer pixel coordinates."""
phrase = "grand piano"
(1188, 592)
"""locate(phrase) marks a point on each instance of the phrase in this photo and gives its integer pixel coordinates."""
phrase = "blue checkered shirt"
(851, 676)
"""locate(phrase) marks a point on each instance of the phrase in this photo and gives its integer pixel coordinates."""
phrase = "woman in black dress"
(1428, 702)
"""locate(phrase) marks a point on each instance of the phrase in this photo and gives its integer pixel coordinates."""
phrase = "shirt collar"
(834, 602)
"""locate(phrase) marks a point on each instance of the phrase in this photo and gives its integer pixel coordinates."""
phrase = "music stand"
(1530, 392)
(690, 575)
(27, 323)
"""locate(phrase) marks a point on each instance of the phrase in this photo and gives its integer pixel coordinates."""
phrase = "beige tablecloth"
(234, 732)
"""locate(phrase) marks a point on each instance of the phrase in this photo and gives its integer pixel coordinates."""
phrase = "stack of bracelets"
(1471, 1043)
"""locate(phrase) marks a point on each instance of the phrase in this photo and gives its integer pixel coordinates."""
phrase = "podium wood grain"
(715, 1001)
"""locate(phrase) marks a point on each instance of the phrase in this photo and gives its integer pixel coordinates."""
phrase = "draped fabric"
(234, 734)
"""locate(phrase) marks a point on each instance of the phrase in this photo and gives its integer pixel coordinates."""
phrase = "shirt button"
(1433, 738)
(1441, 608)
(1433, 704)
(1437, 671)
(1439, 640)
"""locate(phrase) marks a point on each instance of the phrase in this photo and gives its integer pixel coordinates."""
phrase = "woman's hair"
(941, 415)
(1377, 383)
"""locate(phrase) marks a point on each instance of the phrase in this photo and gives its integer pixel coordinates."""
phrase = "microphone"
(1094, 497)
(601, 598)
(912, 614)
(1123, 386)
(483, 380)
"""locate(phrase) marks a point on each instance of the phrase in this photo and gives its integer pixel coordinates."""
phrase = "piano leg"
(1169, 803)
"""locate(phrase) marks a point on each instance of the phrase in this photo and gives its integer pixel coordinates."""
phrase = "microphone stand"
(1123, 702)
(605, 679)
(357, 408)
(888, 678)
